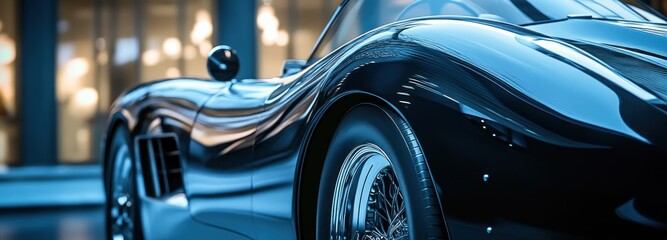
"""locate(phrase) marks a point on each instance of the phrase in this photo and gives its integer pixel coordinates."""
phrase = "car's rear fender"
(503, 117)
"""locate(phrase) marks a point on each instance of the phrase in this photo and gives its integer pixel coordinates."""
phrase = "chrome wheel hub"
(367, 202)
(122, 208)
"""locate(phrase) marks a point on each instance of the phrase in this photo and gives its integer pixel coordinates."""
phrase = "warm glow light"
(268, 24)
(190, 52)
(66, 87)
(76, 68)
(4, 77)
(7, 50)
(282, 39)
(150, 57)
(266, 18)
(0, 26)
(204, 48)
(202, 15)
(173, 72)
(86, 97)
(102, 57)
(203, 27)
(84, 102)
(7, 88)
(269, 36)
(172, 47)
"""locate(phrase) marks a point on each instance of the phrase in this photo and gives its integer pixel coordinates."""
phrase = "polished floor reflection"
(68, 223)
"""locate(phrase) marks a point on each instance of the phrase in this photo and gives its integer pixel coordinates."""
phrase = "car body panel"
(532, 139)
(221, 151)
(609, 32)
(532, 131)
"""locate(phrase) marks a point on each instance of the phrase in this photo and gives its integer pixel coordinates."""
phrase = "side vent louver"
(161, 165)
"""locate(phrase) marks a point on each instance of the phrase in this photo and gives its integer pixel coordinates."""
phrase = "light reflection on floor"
(71, 223)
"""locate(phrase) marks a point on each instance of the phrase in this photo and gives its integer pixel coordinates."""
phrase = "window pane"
(198, 36)
(272, 38)
(162, 47)
(108, 46)
(76, 88)
(312, 18)
(177, 38)
(8, 112)
(123, 45)
(289, 29)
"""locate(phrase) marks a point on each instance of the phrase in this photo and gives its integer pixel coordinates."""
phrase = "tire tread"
(436, 227)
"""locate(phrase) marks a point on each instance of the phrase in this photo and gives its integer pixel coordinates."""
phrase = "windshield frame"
(335, 16)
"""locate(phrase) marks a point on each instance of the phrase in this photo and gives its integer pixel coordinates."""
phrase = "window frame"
(311, 59)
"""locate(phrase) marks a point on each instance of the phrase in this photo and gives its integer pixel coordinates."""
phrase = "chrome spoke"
(392, 221)
(367, 202)
(122, 210)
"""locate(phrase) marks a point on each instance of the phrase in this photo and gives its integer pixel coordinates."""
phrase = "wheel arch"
(315, 147)
(405, 78)
(133, 124)
(116, 121)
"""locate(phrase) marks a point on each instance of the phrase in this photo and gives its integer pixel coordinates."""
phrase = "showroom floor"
(43, 203)
(62, 223)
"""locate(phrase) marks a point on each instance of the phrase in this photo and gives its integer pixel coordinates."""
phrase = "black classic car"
(426, 119)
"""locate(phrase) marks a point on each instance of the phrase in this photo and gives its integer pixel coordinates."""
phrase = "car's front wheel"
(122, 203)
(375, 182)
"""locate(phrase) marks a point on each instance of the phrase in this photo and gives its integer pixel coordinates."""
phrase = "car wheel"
(375, 182)
(123, 220)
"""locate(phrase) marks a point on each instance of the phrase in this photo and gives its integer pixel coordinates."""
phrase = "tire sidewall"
(367, 123)
(121, 137)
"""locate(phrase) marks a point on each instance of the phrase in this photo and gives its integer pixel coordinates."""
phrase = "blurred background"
(78, 55)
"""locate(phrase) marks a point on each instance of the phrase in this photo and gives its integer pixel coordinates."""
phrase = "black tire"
(367, 123)
(121, 144)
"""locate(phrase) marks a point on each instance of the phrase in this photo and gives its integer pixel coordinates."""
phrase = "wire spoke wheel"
(122, 210)
(385, 215)
(367, 201)
(375, 183)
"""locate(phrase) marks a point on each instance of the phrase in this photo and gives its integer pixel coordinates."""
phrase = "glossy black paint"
(556, 130)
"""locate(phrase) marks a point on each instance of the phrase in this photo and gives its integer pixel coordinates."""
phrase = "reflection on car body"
(459, 119)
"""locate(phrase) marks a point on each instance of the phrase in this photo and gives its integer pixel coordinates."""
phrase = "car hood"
(636, 50)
